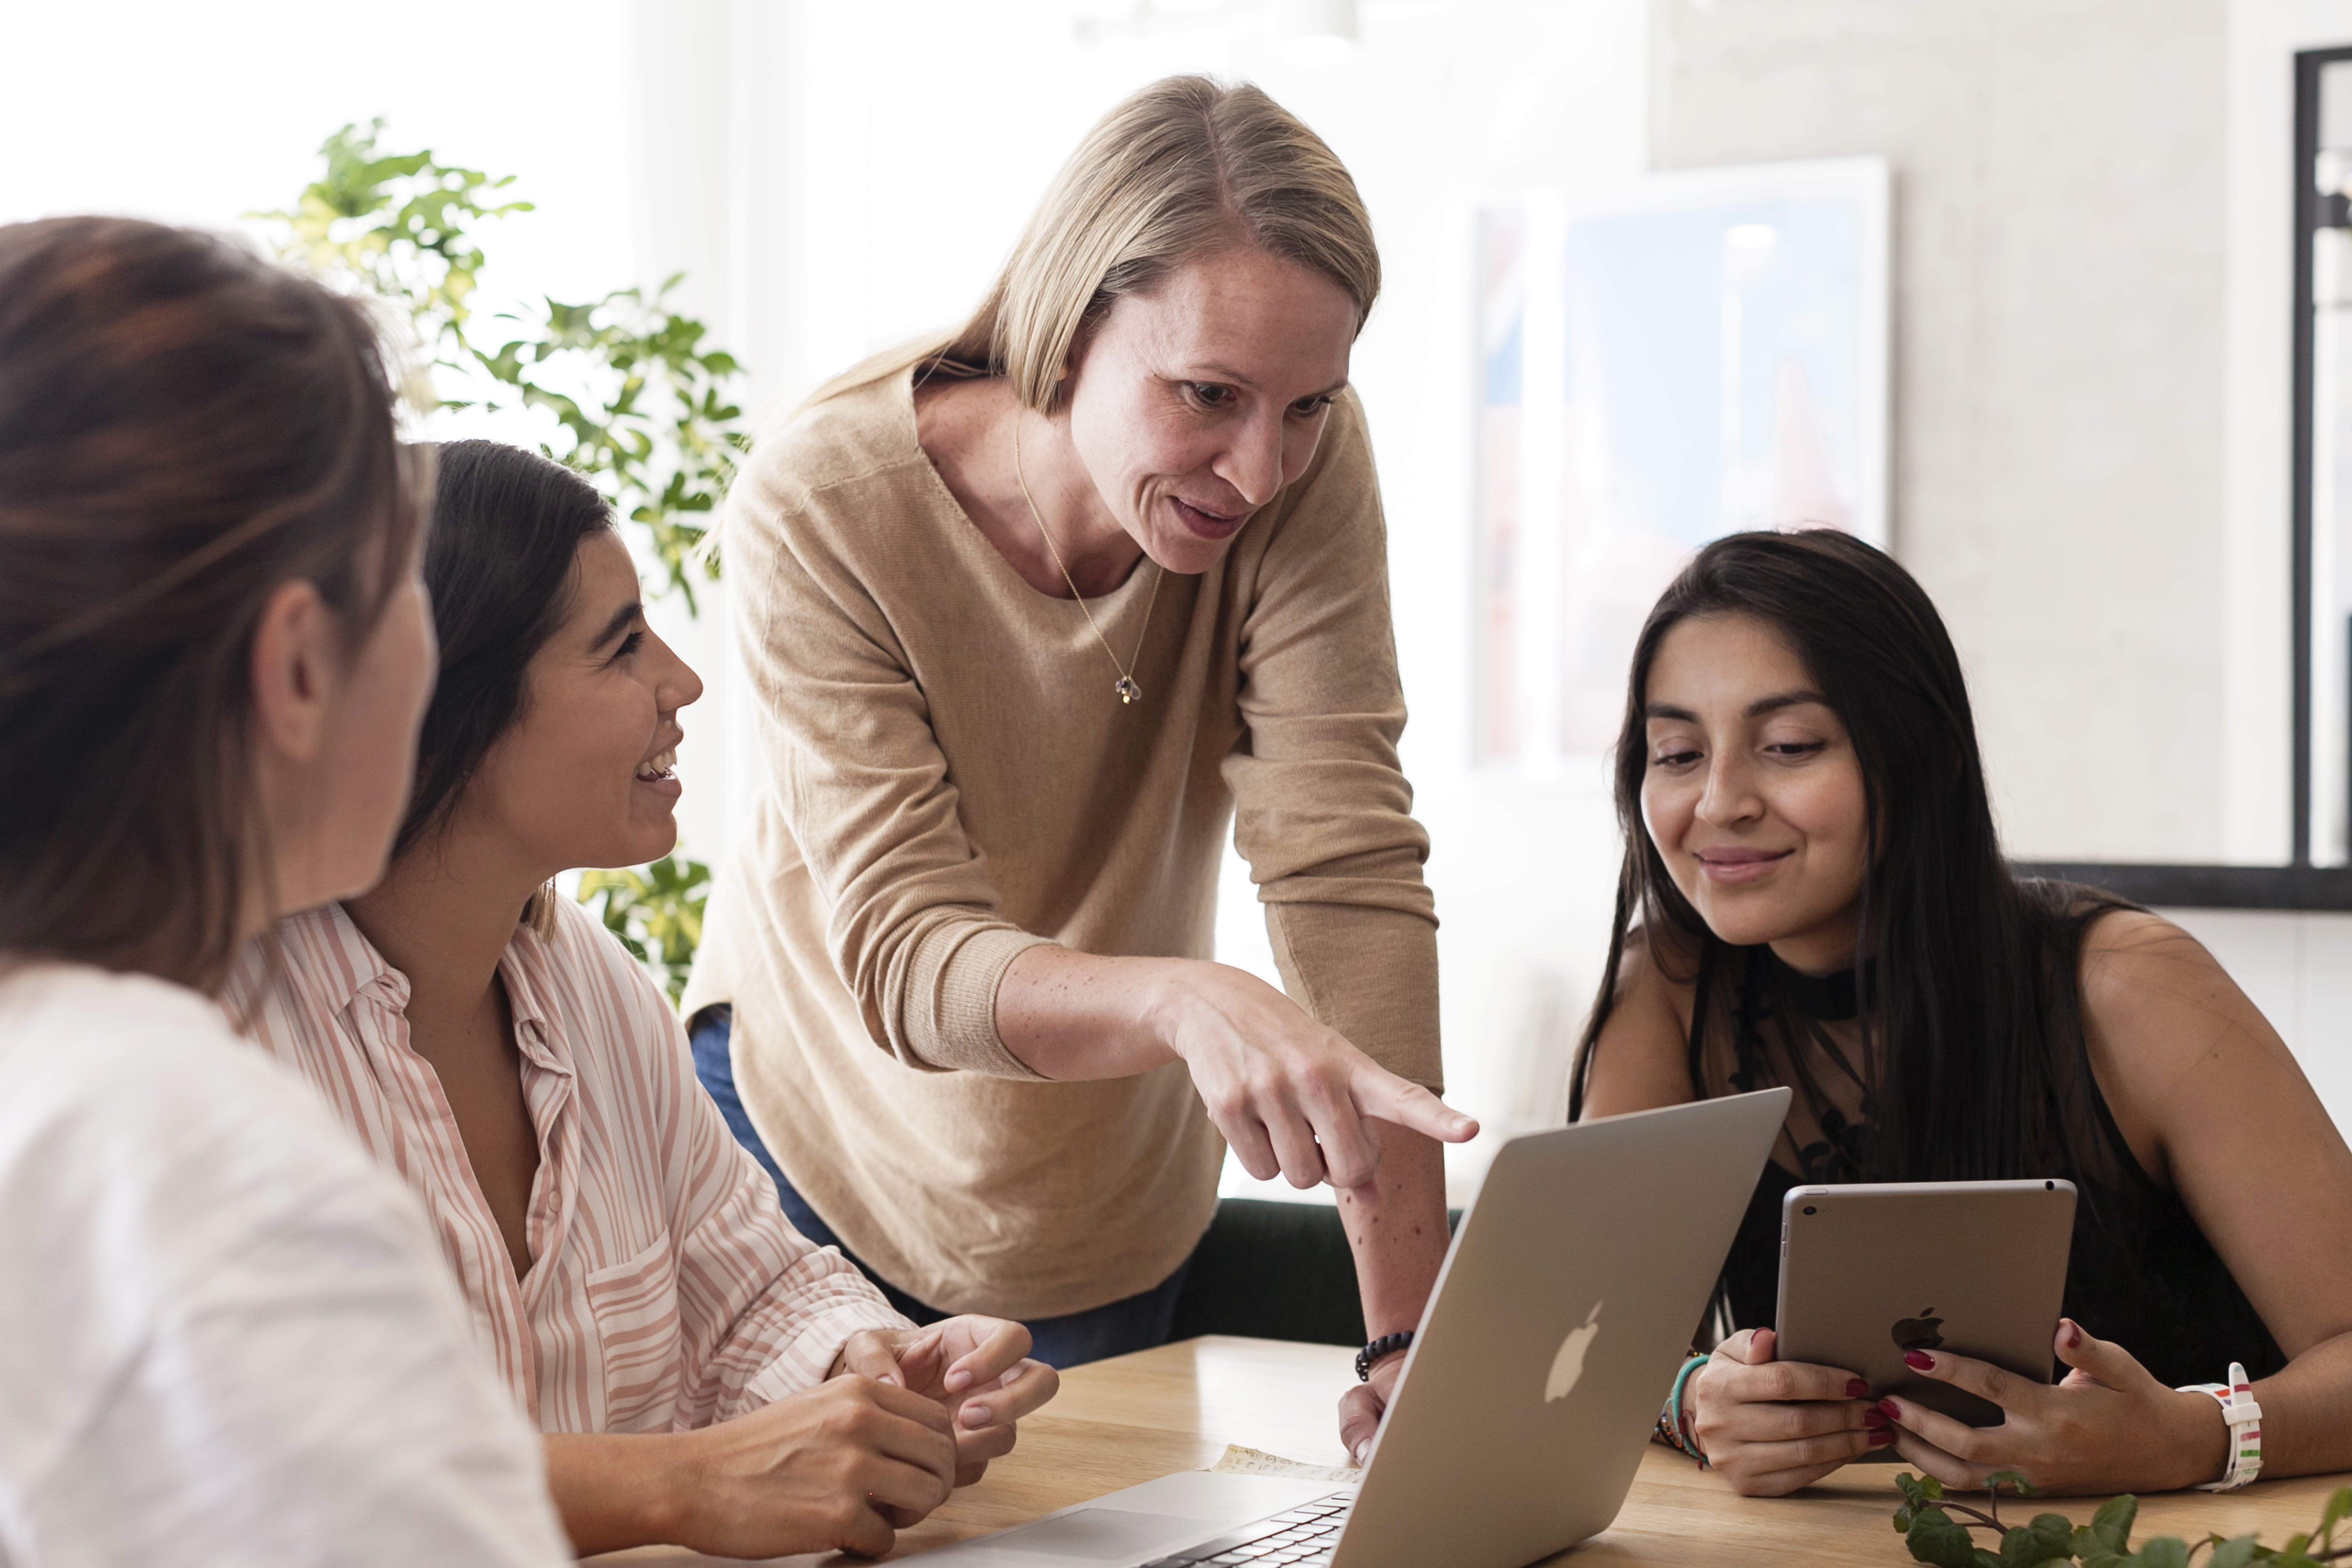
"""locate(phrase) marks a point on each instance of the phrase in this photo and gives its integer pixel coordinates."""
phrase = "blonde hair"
(1184, 168)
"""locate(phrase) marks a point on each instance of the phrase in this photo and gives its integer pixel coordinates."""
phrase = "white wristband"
(2244, 1418)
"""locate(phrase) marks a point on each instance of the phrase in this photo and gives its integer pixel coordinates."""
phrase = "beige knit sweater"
(950, 779)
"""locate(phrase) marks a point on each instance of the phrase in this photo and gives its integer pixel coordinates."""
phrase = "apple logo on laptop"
(1924, 1332)
(1569, 1364)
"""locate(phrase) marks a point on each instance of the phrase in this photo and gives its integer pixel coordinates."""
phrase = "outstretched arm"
(1291, 1096)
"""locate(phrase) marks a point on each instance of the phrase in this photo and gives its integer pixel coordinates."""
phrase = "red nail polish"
(2073, 1336)
(1881, 1439)
(1919, 1361)
(1875, 1419)
(1855, 1388)
(1889, 1409)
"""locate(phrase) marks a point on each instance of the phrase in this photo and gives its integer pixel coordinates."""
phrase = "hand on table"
(1771, 1426)
(1290, 1095)
(2107, 1426)
(839, 1466)
(975, 1368)
(1361, 1408)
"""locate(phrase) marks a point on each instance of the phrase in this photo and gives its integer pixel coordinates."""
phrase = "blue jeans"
(1137, 1323)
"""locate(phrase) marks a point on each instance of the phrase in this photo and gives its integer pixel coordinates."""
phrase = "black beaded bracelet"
(1386, 1345)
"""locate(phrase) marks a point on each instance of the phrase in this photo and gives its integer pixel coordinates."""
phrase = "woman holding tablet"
(1814, 895)
(1031, 614)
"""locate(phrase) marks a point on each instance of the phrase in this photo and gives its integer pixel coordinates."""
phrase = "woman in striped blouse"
(626, 1261)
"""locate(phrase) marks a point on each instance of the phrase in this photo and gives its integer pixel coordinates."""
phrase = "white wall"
(200, 113)
(2059, 172)
(2092, 398)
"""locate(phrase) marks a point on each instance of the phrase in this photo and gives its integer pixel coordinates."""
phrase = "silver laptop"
(1568, 1299)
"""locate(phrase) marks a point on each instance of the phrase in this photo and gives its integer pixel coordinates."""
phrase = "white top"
(225, 1336)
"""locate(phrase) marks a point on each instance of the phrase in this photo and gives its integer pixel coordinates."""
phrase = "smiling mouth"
(660, 768)
(1207, 525)
(1738, 865)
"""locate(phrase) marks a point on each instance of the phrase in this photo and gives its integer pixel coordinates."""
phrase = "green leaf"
(2111, 1526)
(656, 913)
(2339, 1507)
(1935, 1537)
(2012, 1480)
(2235, 1552)
(2048, 1538)
(640, 408)
(2164, 1552)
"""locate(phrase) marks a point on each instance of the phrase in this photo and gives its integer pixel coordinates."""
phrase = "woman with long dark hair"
(224, 1337)
(1813, 894)
(495, 1047)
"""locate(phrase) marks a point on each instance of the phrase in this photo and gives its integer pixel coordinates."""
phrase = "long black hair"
(1966, 987)
(507, 526)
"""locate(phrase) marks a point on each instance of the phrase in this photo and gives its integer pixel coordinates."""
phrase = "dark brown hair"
(1967, 987)
(184, 429)
(507, 527)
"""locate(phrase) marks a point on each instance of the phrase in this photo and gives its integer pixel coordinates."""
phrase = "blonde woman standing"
(1032, 614)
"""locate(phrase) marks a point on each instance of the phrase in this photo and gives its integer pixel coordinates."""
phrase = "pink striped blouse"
(665, 1290)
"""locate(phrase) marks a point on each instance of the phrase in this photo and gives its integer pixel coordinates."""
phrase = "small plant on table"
(1935, 1536)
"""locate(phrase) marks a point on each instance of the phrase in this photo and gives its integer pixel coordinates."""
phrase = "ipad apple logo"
(1569, 1364)
(1924, 1332)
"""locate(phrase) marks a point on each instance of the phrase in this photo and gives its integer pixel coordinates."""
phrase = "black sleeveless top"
(2141, 1274)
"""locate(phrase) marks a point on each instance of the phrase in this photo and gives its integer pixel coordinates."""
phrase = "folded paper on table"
(1240, 1461)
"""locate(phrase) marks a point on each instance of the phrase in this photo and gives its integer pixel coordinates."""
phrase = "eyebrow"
(1755, 709)
(618, 624)
(1227, 372)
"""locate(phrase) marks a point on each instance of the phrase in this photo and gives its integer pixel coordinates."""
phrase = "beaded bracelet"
(2246, 1422)
(1673, 1427)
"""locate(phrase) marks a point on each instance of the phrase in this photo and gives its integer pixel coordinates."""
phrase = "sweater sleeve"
(1323, 813)
(913, 930)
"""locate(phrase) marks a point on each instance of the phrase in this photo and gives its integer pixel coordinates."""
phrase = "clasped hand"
(1290, 1095)
(904, 1416)
(976, 1369)
(1772, 1426)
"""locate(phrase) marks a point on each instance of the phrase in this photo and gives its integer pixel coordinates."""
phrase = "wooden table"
(1119, 1423)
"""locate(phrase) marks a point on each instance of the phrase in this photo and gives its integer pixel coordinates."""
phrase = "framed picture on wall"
(1661, 363)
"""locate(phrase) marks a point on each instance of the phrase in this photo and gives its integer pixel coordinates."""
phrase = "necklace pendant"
(1129, 692)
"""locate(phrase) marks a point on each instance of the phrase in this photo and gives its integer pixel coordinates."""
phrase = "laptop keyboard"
(1303, 1536)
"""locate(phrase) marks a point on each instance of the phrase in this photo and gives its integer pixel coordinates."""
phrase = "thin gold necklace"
(1125, 687)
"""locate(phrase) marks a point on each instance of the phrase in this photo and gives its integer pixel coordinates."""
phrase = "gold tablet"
(1871, 1271)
